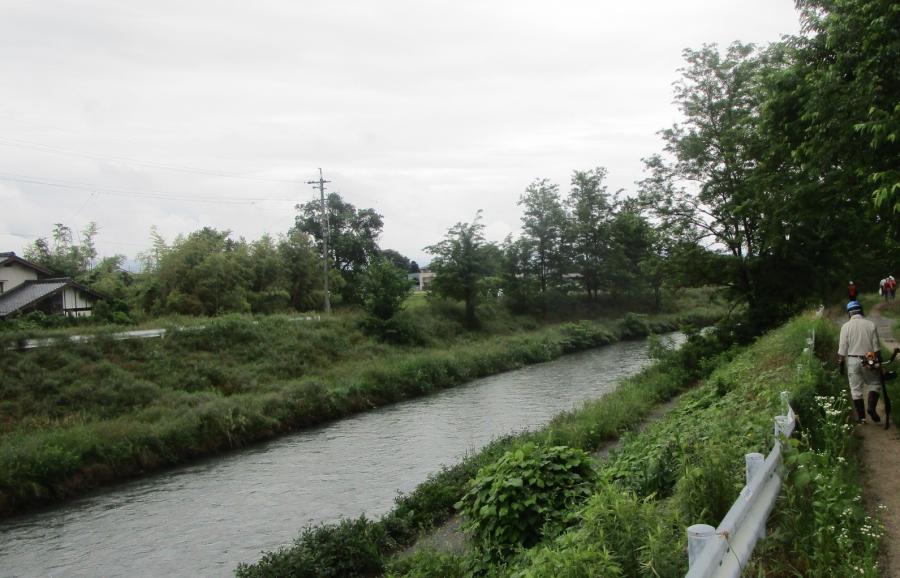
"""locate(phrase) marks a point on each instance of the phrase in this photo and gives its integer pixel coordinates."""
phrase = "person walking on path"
(859, 337)
(891, 286)
(852, 291)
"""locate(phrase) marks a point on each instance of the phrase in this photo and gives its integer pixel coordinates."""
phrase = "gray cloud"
(425, 110)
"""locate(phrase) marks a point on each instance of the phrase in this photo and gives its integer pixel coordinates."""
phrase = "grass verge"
(687, 468)
(76, 415)
(317, 550)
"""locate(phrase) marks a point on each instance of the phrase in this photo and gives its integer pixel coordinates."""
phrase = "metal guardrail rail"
(724, 551)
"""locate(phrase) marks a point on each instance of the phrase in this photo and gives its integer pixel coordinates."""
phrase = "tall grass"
(688, 468)
(432, 502)
(75, 415)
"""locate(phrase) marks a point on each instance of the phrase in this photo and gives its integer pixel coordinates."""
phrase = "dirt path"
(880, 453)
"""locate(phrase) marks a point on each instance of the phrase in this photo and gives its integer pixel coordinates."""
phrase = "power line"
(41, 147)
(136, 193)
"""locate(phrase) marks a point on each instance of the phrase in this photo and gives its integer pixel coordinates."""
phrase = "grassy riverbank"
(361, 547)
(685, 469)
(75, 415)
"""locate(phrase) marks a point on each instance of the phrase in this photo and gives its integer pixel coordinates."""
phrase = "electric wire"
(135, 193)
(41, 147)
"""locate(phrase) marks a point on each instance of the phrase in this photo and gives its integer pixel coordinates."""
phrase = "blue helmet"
(854, 307)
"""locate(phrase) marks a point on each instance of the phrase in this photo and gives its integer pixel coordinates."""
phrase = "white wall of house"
(73, 300)
(14, 274)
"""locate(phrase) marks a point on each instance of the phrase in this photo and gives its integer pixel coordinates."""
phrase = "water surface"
(203, 519)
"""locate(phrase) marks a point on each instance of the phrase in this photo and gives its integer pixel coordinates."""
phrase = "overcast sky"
(184, 114)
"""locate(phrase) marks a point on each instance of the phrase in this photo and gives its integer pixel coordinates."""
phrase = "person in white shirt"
(859, 337)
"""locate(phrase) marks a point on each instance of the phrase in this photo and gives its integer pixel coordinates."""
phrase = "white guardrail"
(724, 551)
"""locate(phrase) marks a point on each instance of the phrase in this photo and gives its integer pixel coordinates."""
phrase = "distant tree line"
(781, 183)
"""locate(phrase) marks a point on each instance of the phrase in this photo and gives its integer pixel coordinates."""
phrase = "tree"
(849, 57)
(399, 261)
(205, 273)
(268, 291)
(630, 253)
(543, 224)
(520, 290)
(460, 263)
(302, 270)
(352, 242)
(714, 189)
(590, 210)
(65, 257)
(385, 287)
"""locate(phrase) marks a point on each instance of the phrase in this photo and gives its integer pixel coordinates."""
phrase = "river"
(205, 518)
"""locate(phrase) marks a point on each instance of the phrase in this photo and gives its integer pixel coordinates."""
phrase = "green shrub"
(524, 495)
(427, 564)
(345, 550)
(583, 335)
(634, 326)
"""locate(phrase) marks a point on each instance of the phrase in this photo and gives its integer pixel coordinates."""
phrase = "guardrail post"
(698, 536)
(782, 427)
(786, 402)
(754, 462)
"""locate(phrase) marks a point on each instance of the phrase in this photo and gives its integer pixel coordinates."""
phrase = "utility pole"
(321, 186)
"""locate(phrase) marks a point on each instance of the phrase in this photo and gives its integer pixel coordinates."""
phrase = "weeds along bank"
(685, 469)
(78, 414)
(362, 547)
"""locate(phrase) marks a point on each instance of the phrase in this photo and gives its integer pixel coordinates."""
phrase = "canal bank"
(84, 415)
(361, 547)
(206, 518)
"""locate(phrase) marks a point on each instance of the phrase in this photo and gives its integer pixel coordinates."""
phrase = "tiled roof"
(29, 292)
(11, 256)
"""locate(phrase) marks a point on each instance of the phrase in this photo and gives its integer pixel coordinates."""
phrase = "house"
(27, 286)
(422, 279)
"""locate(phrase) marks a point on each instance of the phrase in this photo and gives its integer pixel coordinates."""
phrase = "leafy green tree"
(849, 55)
(268, 291)
(64, 256)
(205, 273)
(590, 213)
(542, 227)
(827, 125)
(352, 242)
(397, 259)
(630, 253)
(715, 189)
(520, 290)
(460, 263)
(301, 268)
(385, 287)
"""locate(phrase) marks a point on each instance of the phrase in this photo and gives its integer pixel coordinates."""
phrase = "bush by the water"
(530, 490)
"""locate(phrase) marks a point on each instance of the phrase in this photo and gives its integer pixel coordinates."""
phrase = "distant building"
(27, 286)
(422, 278)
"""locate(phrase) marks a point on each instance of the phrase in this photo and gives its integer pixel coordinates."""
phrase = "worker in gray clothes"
(859, 337)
